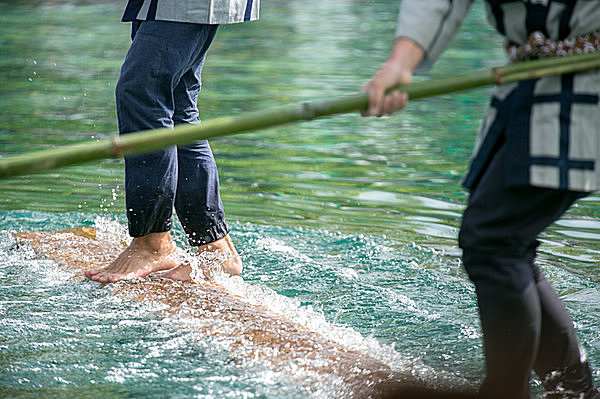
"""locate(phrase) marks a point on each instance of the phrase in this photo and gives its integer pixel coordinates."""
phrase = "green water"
(356, 218)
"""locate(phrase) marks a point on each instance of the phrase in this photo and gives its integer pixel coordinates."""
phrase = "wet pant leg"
(563, 369)
(525, 326)
(197, 202)
(158, 87)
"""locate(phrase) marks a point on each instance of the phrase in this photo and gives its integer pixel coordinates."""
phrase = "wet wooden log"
(252, 331)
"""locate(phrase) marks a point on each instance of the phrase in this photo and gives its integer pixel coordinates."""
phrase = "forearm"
(406, 55)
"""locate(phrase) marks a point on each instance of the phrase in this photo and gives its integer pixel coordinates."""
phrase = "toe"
(91, 273)
(101, 278)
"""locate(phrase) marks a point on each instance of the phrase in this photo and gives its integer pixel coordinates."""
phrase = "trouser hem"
(215, 232)
(143, 229)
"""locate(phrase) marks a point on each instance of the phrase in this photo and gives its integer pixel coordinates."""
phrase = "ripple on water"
(409, 306)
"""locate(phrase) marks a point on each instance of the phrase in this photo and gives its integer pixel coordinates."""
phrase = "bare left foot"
(232, 265)
(148, 254)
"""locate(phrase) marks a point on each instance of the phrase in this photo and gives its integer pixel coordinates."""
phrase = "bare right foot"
(232, 264)
(148, 254)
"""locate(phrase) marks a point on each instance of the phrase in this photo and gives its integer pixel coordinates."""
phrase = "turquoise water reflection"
(355, 217)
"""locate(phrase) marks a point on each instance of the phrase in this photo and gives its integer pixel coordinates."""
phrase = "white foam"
(257, 294)
(108, 229)
(307, 317)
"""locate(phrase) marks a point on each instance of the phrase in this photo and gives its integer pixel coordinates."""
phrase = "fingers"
(381, 104)
(376, 95)
(394, 102)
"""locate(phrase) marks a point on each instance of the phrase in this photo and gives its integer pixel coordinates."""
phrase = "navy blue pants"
(158, 87)
(525, 325)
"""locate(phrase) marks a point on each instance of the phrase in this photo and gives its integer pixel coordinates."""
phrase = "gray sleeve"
(431, 24)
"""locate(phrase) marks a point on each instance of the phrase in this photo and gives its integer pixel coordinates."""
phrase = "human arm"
(424, 30)
(397, 70)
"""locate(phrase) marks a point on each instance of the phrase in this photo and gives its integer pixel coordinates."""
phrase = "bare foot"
(232, 264)
(148, 254)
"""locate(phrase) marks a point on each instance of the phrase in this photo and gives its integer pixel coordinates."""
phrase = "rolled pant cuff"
(140, 229)
(217, 231)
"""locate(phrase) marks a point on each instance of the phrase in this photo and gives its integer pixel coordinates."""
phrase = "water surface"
(353, 220)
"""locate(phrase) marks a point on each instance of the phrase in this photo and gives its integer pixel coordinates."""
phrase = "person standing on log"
(158, 87)
(538, 151)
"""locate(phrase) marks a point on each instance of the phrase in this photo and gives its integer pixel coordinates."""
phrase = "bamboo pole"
(151, 140)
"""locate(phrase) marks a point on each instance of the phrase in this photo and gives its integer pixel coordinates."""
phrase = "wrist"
(406, 54)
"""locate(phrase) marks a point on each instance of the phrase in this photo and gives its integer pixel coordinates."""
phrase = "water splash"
(110, 229)
(401, 305)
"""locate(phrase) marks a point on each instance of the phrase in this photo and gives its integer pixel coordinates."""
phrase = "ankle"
(156, 242)
(233, 266)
